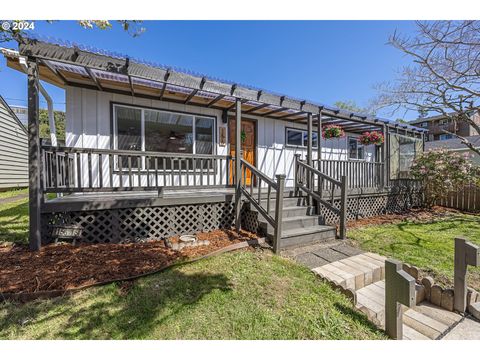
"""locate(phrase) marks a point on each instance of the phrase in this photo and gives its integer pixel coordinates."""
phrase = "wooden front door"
(248, 144)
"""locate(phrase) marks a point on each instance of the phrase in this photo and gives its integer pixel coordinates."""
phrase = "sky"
(323, 61)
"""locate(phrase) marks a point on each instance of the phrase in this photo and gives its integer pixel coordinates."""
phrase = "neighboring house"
(436, 126)
(13, 149)
(456, 145)
(21, 112)
(152, 151)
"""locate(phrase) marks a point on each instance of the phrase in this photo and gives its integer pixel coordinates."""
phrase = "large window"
(161, 131)
(299, 137)
(356, 150)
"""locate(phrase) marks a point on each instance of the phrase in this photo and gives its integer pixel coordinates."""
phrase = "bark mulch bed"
(414, 215)
(63, 267)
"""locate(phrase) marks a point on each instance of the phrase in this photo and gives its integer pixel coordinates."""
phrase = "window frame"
(303, 133)
(359, 145)
(114, 130)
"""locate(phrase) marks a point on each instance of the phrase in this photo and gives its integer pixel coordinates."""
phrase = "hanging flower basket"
(332, 131)
(372, 138)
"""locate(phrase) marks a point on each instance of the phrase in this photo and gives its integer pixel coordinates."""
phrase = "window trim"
(114, 136)
(303, 131)
(358, 145)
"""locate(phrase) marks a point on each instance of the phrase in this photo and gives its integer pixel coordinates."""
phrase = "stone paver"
(310, 260)
(330, 255)
(468, 329)
(347, 250)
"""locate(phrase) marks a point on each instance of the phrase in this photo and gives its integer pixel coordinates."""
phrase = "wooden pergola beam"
(217, 99)
(190, 96)
(57, 73)
(94, 78)
(256, 108)
(274, 111)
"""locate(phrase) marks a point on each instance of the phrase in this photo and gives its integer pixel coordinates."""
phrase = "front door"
(248, 144)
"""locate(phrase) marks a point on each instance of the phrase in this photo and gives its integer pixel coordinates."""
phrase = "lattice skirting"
(143, 223)
(364, 206)
(249, 220)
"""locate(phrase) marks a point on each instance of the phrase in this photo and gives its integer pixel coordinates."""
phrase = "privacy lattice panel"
(146, 223)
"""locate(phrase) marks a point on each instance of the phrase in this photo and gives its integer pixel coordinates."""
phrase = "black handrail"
(313, 182)
(250, 172)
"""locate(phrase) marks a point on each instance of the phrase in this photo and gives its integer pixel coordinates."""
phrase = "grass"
(239, 295)
(14, 217)
(430, 246)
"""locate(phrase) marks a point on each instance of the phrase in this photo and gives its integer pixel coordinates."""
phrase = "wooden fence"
(467, 198)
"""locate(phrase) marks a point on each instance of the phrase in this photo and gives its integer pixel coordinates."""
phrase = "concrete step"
(364, 274)
(303, 236)
(354, 272)
(294, 222)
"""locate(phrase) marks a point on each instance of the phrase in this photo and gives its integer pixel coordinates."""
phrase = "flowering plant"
(442, 171)
(371, 137)
(332, 131)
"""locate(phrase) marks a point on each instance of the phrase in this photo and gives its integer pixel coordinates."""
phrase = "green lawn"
(239, 295)
(429, 246)
(14, 217)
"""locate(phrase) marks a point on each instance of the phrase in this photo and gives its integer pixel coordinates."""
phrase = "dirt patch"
(414, 215)
(65, 266)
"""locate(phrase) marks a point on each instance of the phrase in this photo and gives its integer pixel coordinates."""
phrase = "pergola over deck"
(72, 65)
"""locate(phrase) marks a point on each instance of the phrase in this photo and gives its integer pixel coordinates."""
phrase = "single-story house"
(153, 151)
(13, 149)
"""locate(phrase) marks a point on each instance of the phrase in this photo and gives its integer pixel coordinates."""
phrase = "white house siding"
(13, 150)
(88, 122)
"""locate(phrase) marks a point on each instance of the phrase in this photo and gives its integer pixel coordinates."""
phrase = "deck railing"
(68, 170)
(360, 173)
(314, 183)
(250, 176)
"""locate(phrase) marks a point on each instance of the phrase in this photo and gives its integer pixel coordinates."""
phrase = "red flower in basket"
(332, 131)
(372, 138)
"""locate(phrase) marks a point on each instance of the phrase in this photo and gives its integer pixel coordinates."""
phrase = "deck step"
(303, 236)
(287, 201)
(292, 222)
(287, 211)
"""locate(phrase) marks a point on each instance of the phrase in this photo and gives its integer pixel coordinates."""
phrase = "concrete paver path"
(363, 273)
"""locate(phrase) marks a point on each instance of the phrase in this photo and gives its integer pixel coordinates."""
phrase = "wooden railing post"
(343, 207)
(399, 289)
(466, 254)
(296, 168)
(238, 158)
(277, 236)
(35, 189)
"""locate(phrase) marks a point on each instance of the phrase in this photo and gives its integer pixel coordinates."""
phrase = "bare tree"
(444, 77)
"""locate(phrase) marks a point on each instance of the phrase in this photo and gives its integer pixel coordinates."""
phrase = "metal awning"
(64, 64)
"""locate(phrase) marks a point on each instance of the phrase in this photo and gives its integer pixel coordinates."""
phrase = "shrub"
(442, 171)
